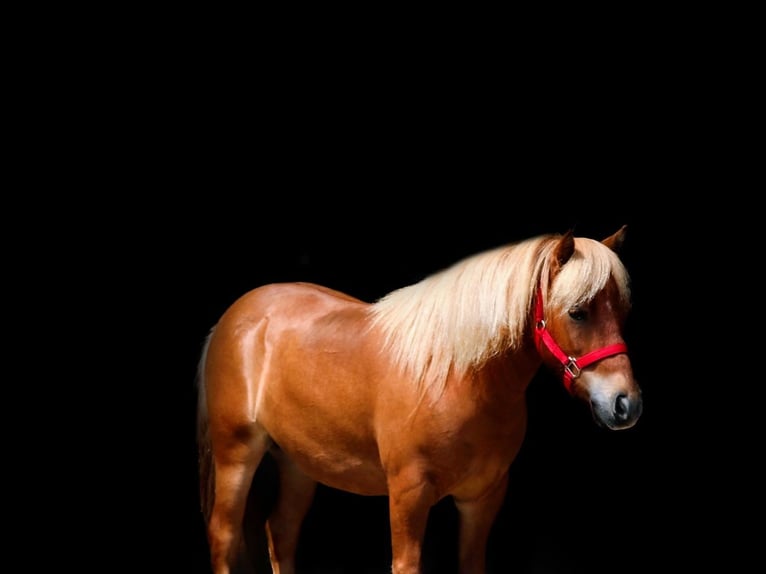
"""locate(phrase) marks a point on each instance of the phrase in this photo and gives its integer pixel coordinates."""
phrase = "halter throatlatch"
(573, 366)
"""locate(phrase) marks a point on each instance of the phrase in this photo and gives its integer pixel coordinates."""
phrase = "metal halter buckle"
(572, 368)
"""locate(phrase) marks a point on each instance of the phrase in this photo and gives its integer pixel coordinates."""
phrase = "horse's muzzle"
(619, 411)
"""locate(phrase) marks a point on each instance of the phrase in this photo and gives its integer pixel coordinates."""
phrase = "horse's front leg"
(476, 519)
(410, 497)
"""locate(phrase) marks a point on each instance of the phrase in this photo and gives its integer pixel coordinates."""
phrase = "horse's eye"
(578, 314)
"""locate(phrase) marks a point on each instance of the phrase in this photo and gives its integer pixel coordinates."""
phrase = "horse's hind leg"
(296, 492)
(235, 465)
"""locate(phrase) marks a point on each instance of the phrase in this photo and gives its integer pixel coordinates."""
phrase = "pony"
(418, 396)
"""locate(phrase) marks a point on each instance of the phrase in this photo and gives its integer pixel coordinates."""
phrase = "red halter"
(572, 365)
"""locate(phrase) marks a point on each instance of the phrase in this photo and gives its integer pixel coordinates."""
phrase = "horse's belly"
(353, 470)
(316, 390)
(325, 428)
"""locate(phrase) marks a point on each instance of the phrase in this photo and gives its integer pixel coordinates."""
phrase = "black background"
(201, 171)
(371, 189)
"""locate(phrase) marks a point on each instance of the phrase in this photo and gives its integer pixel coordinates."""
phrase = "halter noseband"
(572, 366)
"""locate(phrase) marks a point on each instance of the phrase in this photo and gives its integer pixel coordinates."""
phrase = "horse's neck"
(496, 391)
(511, 371)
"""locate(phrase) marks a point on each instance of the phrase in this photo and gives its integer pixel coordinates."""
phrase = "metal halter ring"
(572, 368)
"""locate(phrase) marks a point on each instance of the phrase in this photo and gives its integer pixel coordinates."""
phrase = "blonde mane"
(458, 318)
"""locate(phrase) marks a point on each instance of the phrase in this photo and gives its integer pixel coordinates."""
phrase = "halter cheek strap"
(572, 365)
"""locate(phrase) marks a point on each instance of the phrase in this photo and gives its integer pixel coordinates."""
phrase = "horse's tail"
(206, 467)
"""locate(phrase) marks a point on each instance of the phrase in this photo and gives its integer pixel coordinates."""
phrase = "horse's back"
(284, 299)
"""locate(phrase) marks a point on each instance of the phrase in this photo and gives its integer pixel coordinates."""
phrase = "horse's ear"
(614, 241)
(565, 248)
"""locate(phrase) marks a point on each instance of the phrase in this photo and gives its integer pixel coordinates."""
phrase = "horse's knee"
(404, 566)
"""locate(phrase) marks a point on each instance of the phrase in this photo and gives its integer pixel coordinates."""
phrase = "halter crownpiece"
(573, 366)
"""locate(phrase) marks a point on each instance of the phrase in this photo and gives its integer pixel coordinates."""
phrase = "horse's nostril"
(621, 407)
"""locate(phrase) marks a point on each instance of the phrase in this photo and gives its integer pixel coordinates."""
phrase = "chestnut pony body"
(418, 396)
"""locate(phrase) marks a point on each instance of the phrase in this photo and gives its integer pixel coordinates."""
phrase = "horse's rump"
(303, 356)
